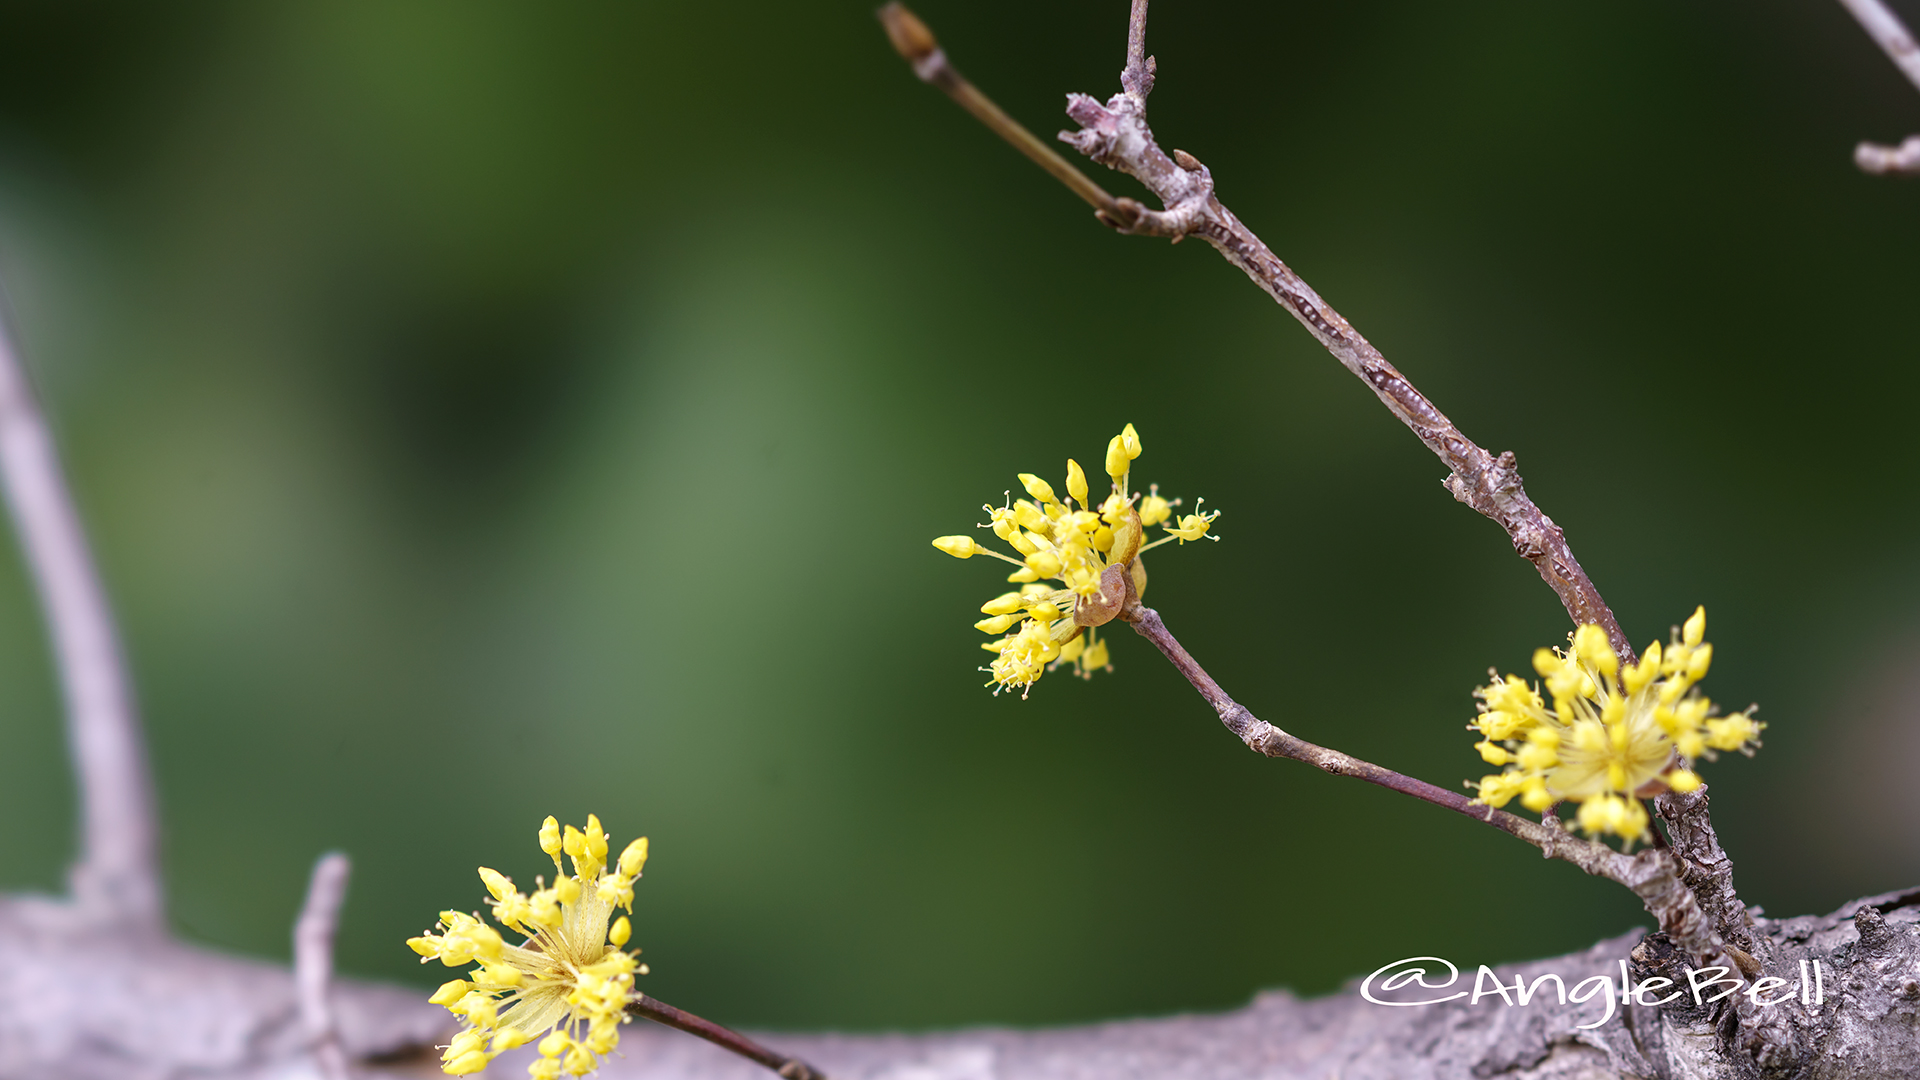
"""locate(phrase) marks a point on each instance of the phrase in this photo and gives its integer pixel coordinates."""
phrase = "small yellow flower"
(1615, 733)
(570, 975)
(1079, 563)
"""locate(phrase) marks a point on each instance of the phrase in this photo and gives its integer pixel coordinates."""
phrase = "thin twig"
(1117, 135)
(1262, 737)
(1654, 874)
(313, 962)
(117, 875)
(1887, 31)
(727, 1039)
(1137, 77)
(915, 42)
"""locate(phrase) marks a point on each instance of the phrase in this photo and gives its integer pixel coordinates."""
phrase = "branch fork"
(1687, 887)
(1116, 135)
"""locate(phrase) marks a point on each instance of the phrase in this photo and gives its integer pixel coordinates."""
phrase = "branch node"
(1878, 160)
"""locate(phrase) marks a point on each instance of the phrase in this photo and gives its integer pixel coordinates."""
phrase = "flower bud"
(1076, 482)
(1696, 626)
(634, 858)
(1038, 488)
(1004, 604)
(496, 883)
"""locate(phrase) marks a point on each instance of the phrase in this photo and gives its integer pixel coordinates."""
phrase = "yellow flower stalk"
(1078, 563)
(1615, 733)
(569, 980)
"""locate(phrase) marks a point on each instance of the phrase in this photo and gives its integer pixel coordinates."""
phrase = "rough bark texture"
(88, 1005)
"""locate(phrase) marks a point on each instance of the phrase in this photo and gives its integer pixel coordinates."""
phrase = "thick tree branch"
(86, 1006)
(117, 876)
(1888, 32)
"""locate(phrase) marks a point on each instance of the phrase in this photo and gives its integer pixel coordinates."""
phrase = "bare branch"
(313, 962)
(1654, 875)
(915, 42)
(1116, 135)
(1888, 32)
(726, 1038)
(117, 876)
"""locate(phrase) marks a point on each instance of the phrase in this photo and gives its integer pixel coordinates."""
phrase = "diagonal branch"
(726, 1038)
(1654, 875)
(1887, 31)
(1116, 135)
(913, 40)
(117, 876)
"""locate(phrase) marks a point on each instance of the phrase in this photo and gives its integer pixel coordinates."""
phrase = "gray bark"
(93, 1005)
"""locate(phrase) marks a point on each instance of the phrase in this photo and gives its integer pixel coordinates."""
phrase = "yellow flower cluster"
(1091, 550)
(570, 975)
(1616, 732)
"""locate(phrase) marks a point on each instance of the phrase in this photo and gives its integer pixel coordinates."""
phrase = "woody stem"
(1264, 738)
(1653, 874)
(1117, 135)
(726, 1038)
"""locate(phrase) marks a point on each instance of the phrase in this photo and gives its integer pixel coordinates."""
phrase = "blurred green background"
(490, 410)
